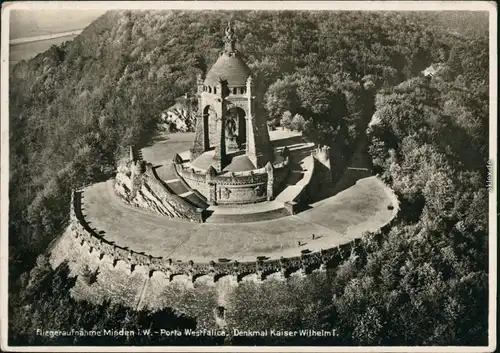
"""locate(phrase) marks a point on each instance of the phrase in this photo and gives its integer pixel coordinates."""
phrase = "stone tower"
(226, 118)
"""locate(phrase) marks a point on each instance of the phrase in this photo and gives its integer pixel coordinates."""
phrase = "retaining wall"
(234, 188)
(141, 187)
(304, 263)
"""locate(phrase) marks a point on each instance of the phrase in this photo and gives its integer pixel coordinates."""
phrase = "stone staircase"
(180, 188)
(177, 186)
(246, 213)
(295, 181)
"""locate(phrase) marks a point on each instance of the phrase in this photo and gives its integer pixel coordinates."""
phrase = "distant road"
(45, 37)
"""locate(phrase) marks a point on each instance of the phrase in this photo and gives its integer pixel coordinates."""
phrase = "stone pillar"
(200, 144)
(220, 159)
(200, 140)
(212, 186)
(199, 83)
(250, 146)
(270, 181)
(258, 149)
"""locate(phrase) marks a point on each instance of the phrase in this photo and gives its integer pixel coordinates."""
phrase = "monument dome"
(230, 67)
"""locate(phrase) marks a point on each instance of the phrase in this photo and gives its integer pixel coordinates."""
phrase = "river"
(29, 49)
(35, 31)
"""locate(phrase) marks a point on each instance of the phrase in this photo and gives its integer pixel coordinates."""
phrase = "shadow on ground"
(350, 178)
(288, 141)
(159, 138)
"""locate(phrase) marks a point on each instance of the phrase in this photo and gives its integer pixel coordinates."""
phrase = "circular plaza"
(238, 233)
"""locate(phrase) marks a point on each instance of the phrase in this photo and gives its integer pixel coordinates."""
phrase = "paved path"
(334, 220)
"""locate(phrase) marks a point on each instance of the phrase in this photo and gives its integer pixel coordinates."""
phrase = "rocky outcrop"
(138, 185)
(181, 116)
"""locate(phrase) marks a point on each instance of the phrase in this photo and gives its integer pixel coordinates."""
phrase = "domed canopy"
(229, 67)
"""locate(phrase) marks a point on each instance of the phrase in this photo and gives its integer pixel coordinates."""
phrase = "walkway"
(335, 220)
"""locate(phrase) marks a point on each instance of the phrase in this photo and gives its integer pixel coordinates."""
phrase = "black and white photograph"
(248, 176)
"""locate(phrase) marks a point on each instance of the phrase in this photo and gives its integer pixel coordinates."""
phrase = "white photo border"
(7, 7)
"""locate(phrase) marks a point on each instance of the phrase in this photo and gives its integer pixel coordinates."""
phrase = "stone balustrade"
(234, 187)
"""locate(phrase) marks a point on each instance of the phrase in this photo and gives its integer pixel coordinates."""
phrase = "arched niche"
(236, 124)
(210, 126)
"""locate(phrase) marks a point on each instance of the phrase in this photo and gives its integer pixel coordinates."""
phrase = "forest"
(76, 108)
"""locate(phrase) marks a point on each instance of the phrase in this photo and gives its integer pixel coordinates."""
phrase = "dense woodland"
(423, 281)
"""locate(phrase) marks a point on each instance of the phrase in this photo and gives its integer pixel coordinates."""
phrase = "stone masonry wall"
(234, 188)
(146, 190)
(304, 263)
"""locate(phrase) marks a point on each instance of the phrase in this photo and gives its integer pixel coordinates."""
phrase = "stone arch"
(198, 275)
(209, 126)
(242, 275)
(220, 312)
(218, 276)
(238, 116)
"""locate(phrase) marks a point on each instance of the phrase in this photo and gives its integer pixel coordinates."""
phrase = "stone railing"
(234, 187)
(229, 178)
(304, 263)
(190, 174)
